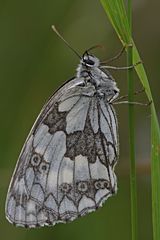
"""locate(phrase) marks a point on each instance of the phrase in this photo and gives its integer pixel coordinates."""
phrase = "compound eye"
(88, 61)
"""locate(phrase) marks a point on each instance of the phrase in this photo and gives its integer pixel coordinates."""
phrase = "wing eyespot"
(65, 188)
(101, 184)
(44, 167)
(82, 186)
(35, 160)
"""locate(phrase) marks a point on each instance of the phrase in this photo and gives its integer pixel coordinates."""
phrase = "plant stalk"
(133, 185)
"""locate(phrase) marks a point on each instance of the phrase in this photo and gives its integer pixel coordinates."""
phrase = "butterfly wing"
(66, 167)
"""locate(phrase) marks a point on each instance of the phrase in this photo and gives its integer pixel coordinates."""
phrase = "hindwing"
(66, 167)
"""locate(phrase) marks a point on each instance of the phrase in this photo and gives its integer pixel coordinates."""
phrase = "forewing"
(66, 167)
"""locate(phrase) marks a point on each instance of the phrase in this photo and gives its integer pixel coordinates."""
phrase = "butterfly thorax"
(89, 71)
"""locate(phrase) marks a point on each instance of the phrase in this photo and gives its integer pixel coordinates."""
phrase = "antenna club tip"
(60, 36)
(53, 27)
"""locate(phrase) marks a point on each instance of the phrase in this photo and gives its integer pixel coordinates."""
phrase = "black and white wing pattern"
(66, 167)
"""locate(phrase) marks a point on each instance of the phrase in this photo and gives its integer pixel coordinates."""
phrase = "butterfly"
(66, 167)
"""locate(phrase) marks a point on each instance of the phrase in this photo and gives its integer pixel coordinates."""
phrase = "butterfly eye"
(88, 61)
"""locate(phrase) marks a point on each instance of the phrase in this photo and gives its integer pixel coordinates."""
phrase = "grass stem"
(133, 187)
(121, 21)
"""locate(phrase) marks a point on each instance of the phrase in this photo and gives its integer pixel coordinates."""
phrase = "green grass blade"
(118, 17)
(133, 179)
(133, 184)
(155, 169)
(155, 151)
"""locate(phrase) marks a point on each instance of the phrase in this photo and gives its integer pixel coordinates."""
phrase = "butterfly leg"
(134, 103)
(126, 96)
(121, 68)
(118, 55)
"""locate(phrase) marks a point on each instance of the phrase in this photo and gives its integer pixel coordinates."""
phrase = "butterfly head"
(89, 60)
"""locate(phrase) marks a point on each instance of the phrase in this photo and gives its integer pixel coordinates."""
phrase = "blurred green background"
(34, 62)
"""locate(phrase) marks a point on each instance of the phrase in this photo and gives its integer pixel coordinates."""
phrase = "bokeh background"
(34, 62)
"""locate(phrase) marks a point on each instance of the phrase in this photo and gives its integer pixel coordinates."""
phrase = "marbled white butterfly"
(66, 167)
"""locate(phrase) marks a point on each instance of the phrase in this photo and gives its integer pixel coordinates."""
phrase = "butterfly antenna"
(60, 36)
(95, 46)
